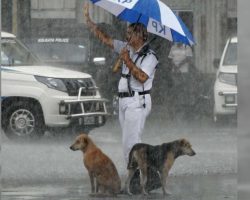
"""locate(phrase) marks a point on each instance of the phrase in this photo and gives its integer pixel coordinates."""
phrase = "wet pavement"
(207, 187)
(48, 169)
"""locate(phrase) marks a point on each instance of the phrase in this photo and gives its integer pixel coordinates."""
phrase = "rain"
(36, 161)
(49, 168)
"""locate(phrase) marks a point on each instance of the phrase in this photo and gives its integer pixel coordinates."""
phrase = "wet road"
(208, 187)
(49, 170)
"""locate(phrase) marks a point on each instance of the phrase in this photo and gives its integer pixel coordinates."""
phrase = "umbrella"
(154, 14)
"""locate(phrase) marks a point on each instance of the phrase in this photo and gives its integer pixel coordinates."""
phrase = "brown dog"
(159, 158)
(100, 167)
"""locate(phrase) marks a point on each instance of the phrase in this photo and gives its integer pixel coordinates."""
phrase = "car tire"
(23, 120)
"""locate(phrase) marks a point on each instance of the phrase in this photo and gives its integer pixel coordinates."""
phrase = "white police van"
(34, 96)
(225, 87)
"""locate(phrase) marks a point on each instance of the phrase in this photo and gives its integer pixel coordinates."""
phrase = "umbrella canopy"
(154, 14)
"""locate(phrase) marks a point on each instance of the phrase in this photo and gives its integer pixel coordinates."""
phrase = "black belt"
(127, 94)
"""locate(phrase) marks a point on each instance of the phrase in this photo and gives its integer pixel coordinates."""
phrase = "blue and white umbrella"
(154, 14)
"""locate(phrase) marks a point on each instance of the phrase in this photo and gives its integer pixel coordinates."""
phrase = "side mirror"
(216, 63)
(99, 60)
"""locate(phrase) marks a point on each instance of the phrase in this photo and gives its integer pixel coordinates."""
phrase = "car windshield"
(13, 53)
(231, 55)
(59, 50)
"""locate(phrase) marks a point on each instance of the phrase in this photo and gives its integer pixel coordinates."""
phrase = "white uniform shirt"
(178, 54)
(148, 65)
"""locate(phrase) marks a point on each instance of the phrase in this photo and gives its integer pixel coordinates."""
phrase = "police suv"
(225, 87)
(35, 97)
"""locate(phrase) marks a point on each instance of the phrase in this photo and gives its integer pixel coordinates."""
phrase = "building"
(210, 21)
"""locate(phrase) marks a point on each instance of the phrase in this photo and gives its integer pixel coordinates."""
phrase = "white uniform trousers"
(132, 117)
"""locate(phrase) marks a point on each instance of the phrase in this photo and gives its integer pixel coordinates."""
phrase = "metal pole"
(1, 73)
(14, 17)
(1, 34)
(0, 22)
(0, 29)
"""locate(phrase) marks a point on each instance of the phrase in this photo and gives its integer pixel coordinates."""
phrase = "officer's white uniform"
(132, 113)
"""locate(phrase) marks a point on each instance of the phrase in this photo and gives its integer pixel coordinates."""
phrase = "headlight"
(227, 78)
(53, 83)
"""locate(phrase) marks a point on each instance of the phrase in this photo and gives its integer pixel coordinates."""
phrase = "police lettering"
(51, 40)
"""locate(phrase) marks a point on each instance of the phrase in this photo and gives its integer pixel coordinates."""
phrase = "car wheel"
(22, 121)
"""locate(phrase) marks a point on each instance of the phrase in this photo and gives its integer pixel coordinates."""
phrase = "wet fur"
(160, 158)
(103, 174)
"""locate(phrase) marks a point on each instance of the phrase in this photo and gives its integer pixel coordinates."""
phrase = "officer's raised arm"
(138, 73)
(93, 27)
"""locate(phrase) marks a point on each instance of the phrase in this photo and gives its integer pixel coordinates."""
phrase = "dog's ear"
(183, 141)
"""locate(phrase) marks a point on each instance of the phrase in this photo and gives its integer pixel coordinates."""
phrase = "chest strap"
(127, 94)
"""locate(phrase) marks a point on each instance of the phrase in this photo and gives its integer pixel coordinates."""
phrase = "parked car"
(77, 49)
(36, 96)
(64, 52)
(225, 87)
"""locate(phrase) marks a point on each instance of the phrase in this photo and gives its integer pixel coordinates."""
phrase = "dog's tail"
(132, 163)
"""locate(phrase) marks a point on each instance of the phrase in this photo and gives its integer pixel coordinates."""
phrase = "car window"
(231, 55)
(53, 51)
(14, 53)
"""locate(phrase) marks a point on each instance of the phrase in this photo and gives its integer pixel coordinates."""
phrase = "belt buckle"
(134, 93)
(131, 94)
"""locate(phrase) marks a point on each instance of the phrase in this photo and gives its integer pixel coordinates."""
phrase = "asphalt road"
(48, 169)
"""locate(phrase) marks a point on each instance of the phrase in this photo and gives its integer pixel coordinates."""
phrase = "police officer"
(137, 74)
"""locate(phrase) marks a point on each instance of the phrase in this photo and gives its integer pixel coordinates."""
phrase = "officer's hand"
(125, 54)
(86, 12)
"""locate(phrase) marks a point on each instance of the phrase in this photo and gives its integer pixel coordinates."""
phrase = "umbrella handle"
(117, 65)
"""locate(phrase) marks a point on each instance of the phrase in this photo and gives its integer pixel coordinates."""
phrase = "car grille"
(89, 107)
(73, 86)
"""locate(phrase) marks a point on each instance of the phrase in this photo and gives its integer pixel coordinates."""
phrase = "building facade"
(210, 21)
